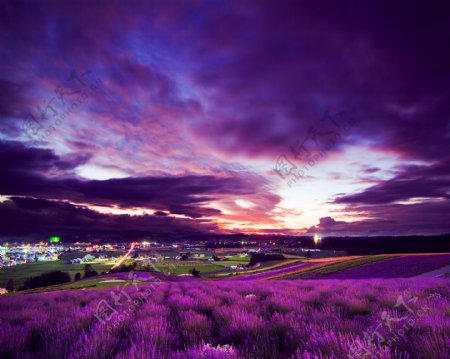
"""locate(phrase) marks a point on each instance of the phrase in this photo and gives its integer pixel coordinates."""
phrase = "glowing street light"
(317, 238)
(55, 239)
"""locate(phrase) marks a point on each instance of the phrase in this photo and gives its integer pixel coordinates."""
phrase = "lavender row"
(400, 267)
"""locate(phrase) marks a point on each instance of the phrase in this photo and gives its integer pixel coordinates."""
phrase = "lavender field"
(399, 267)
(403, 318)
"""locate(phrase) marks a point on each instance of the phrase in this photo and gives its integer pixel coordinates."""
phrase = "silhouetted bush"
(77, 276)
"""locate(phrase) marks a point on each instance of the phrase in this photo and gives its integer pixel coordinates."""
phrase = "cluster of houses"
(86, 259)
(237, 267)
(218, 259)
(11, 256)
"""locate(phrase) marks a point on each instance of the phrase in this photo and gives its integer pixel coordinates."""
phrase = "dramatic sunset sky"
(184, 116)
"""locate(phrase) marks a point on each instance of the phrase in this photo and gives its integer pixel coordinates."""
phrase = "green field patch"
(185, 267)
(21, 272)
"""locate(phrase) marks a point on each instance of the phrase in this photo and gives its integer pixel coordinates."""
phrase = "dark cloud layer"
(417, 200)
(27, 172)
(25, 216)
(412, 182)
(391, 219)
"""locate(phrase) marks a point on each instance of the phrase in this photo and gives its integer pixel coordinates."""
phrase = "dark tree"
(88, 268)
(10, 285)
(184, 257)
(124, 268)
(77, 276)
(195, 272)
(92, 273)
(89, 271)
(47, 279)
(308, 255)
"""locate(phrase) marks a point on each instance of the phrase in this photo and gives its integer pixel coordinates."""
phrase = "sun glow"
(243, 203)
